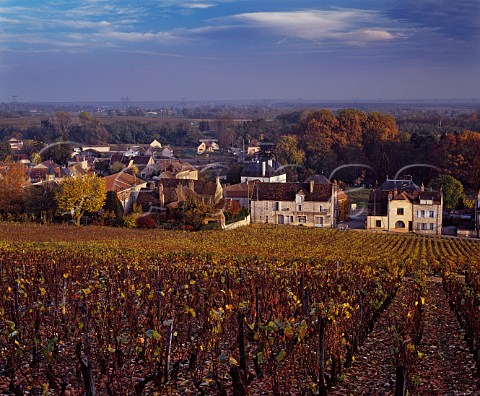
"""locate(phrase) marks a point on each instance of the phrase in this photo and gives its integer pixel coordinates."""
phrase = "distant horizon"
(256, 101)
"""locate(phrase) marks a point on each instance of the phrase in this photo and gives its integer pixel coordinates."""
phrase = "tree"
(40, 201)
(113, 204)
(90, 130)
(62, 122)
(12, 182)
(193, 211)
(452, 190)
(116, 167)
(58, 152)
(288, 152)
(78, 195)
(5, 150)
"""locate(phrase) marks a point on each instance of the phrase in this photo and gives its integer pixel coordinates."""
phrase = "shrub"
(146, 222)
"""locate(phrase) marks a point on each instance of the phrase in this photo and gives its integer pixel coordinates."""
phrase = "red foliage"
(146, 222)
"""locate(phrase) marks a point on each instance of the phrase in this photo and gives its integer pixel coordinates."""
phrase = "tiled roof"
(288, 191)
(240, 190)
(122, 181)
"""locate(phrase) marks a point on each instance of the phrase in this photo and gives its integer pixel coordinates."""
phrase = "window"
(291, 219)
(299, 198)
(276, 206)
(302, 219)
(378, 223)
(321, 208)
(319, 221)
(422, 213)
(400, 212)
(432, 213)
(399, 224)
(431, 226)
(281, 219)
(266, 219)
(299, 208)
(266, 205)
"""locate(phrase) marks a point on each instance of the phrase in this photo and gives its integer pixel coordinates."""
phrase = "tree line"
(321, 141)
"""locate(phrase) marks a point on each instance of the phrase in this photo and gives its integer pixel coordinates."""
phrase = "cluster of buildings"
(151, 177)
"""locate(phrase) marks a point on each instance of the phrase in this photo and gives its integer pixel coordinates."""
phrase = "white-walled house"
(263, 171)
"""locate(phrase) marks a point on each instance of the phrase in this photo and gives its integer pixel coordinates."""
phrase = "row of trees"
(90, 130)
(322, 141)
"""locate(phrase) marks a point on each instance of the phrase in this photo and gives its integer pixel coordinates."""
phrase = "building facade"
(409, 210)
(310, 204)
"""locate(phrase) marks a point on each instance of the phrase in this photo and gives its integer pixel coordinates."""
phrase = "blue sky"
(101, 50)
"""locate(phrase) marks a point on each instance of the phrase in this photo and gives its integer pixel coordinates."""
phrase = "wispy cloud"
(193, 4)
(198, 5)
(353, 26)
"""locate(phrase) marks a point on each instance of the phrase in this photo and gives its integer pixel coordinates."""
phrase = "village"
(157, 189)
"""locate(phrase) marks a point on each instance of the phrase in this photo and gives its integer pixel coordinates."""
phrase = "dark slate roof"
(117, 157)
(435, 196)
(317, 179)
(141, 159)
(288, 191)
(378, 203)
(400, 185)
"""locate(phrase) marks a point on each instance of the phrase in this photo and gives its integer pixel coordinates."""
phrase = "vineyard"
(254, 311)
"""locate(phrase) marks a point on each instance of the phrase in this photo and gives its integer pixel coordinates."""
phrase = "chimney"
(312, 184)
(270, 162)
(423, 187)
(390, 195)
(264, 168)
(161, 195)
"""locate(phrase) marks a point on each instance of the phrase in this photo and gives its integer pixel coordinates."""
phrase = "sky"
(154, 50)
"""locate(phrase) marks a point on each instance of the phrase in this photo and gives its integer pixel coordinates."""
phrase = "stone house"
(173, 169)
(310, 204)
(126, 187)
(169, 193)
